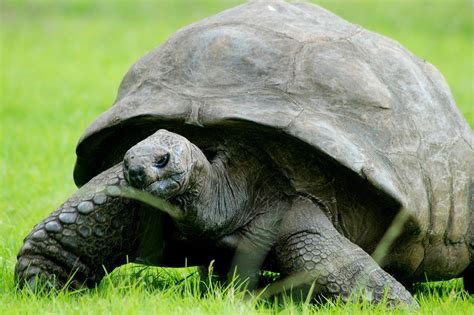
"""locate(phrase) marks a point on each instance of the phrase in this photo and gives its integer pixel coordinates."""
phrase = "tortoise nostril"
(136, 176)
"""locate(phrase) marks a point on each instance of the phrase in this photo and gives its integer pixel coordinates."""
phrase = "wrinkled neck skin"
(217, 201)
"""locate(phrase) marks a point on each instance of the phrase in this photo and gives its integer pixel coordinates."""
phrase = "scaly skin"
(92, 231)
(89, 232)
(307, 240)
(309, 244)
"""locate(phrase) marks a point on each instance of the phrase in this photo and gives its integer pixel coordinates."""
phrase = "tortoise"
(291, 140)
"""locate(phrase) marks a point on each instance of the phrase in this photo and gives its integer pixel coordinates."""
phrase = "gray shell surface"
(356, 96)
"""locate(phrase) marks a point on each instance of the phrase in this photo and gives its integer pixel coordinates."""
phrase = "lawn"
(61, 64)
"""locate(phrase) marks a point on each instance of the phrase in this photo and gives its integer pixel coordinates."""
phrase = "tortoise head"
(162, 164)
(168, 166)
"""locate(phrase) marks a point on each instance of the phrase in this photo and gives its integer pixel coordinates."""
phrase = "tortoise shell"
(354, 96)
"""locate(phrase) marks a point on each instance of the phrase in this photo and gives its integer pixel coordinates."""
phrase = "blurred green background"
(62, 61)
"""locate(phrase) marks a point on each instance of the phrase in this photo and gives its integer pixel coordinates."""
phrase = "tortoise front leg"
(310, 246)
(89, 232)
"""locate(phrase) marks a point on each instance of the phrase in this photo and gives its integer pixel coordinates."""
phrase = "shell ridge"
(366, 58)
(292, 81)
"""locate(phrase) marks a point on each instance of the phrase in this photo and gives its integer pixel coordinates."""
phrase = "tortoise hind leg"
(310, 246)
(89, 232)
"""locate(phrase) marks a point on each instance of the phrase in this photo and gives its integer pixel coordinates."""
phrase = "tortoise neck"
(220, 190)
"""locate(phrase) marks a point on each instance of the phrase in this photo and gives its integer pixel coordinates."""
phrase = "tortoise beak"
(136, 176)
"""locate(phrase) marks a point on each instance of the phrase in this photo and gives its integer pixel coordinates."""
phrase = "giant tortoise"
(289, 140)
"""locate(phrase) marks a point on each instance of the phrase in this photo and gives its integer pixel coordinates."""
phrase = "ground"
(61, 64)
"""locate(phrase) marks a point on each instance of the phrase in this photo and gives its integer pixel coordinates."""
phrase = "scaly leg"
(310, 246)
(89, 232)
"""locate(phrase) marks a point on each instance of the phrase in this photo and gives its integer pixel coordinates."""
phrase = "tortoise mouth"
(167, 187)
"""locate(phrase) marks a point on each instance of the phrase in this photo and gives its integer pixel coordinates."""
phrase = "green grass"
(61, 64)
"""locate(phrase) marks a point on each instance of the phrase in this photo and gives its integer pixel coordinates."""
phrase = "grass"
(61, 63)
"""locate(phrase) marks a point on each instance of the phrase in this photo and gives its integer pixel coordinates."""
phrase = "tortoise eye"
(162, 160)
